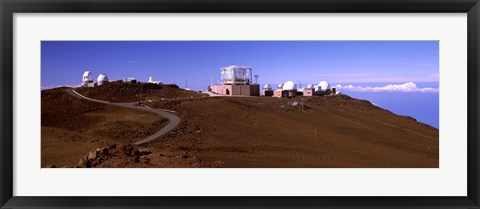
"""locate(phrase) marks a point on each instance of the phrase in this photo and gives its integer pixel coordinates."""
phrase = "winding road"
(173, 119)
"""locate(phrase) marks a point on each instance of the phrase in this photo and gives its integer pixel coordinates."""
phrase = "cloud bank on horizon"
(409, 87)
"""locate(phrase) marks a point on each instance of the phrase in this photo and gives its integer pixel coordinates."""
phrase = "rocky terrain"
(236, 132)
(71, 127)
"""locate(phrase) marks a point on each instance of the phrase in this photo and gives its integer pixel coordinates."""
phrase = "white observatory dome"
(87, 76)
(280, 85)
(267, 86)
(102, 79)
(289, 85)
(309, 86)
(323, 86)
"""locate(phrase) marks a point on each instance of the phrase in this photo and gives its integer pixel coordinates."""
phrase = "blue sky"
(364, 68)
(63, 62)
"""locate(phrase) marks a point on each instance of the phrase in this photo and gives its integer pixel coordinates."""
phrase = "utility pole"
(325, 99)
(302, 105)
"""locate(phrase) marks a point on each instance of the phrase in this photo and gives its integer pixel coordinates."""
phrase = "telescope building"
(236, 80)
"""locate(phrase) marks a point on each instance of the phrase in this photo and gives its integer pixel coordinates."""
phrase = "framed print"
(238, 104)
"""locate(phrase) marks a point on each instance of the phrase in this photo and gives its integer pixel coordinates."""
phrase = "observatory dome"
(280, 85)
(102, 79)
(309, 86)
(267, 86)
(289, 85)
(87, 76)
(323, 86)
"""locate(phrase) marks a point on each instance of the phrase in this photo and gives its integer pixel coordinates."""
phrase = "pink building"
(236, 80)
(245, 90)
(308, 91)
(277, 93)
(288, 90)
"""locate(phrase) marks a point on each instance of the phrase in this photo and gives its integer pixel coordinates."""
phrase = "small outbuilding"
(288, 90)
(308, 91)
(278, 91)
(130, 80)
(267, 90)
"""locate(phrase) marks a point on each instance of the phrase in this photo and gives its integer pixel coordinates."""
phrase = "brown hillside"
(331, 131)
(71, 127)
(131, 92)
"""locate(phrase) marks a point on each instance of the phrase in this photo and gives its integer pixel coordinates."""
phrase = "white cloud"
(406, 87)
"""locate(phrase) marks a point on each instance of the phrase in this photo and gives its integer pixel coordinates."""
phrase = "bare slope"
(333, 131)
(71, 127)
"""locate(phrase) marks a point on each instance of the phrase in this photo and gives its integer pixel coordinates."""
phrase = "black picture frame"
(9, 7)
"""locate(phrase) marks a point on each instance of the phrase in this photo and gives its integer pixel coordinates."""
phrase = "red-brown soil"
(71, 127)
(122, 92)
(332, 131)
(246, 132)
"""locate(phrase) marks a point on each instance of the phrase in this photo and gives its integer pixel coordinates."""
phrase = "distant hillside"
(131, 92)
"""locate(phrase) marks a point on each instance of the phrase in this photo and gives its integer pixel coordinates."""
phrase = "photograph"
(240, 104)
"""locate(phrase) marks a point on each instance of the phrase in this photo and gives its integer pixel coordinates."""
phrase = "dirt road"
(173, 119)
